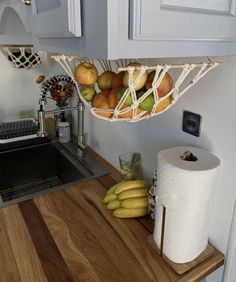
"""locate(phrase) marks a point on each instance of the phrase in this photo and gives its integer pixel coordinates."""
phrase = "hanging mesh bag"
(22, 57)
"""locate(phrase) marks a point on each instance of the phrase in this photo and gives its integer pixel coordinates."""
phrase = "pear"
(105, 80)
(135, 74)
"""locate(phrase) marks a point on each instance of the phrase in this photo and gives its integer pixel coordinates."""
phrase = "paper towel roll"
(184, 188)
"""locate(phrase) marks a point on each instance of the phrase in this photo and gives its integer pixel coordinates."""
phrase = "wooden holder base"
(181, 268)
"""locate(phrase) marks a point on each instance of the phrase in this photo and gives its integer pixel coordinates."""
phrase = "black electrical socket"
(191, 123)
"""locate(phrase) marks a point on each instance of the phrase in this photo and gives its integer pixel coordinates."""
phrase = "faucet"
(42, 132)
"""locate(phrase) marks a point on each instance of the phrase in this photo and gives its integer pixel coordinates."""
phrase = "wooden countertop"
(70, 236)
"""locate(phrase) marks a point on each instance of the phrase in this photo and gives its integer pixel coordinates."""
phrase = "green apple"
(147, 103)
(128, 101)
(88, 92)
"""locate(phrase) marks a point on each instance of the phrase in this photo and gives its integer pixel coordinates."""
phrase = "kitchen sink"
(39, 169)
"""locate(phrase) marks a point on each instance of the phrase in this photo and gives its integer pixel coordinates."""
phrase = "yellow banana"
(113, 188)
(132, 184)
(135, 193)
(115, 204)
(134, 203)
(110, 197)
(129, 213)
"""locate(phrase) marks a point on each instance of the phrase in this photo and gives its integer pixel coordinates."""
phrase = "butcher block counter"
(69, 235)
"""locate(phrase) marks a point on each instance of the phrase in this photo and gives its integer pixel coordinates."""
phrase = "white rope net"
(186, 75)
(22, 57)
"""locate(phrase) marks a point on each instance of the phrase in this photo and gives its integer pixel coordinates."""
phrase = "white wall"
(214, 98)
(19, 92)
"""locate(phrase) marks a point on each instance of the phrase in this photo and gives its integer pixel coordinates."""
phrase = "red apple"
(117, 80)
(165, 86)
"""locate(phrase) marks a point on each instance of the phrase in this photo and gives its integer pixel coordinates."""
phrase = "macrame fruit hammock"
(143, 91)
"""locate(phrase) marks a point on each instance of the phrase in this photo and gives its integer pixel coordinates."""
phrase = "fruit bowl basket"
(135, 92)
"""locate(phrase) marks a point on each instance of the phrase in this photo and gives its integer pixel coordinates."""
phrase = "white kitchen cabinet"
(14, 23)
(56, 18)
(146, 29)
(183, 20)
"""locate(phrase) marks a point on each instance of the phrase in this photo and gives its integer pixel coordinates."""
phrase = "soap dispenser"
(64, 130)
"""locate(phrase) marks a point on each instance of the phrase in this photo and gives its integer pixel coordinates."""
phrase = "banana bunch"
(128, 199)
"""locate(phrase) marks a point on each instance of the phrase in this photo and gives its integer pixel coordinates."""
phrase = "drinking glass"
(129, 165)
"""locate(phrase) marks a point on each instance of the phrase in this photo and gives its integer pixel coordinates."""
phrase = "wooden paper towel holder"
(179, 268)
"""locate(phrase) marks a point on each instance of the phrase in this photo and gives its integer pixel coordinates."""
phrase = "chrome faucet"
(42, 132)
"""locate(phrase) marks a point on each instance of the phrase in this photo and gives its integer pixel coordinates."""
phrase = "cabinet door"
(10, 7)
(203, 20)
(56, 18)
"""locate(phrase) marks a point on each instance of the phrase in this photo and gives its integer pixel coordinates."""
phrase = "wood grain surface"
(70, 236)
(22, 246)
(51, 259)
(8, 267)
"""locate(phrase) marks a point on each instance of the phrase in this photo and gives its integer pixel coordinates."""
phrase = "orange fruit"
(129, 113)
(100, 101)
(163, 104)
(112, 97)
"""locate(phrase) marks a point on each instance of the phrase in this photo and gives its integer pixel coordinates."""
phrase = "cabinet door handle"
(26, 2)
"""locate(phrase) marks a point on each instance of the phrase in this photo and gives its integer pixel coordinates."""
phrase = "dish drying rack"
(180, 86)
(18, 130)
(20, 134)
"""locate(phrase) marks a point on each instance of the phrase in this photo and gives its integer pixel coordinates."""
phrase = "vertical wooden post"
(163, 230)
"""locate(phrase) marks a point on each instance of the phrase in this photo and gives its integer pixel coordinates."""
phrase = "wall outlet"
(191, 123)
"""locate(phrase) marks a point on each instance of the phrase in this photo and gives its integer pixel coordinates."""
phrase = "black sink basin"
(31, 171)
